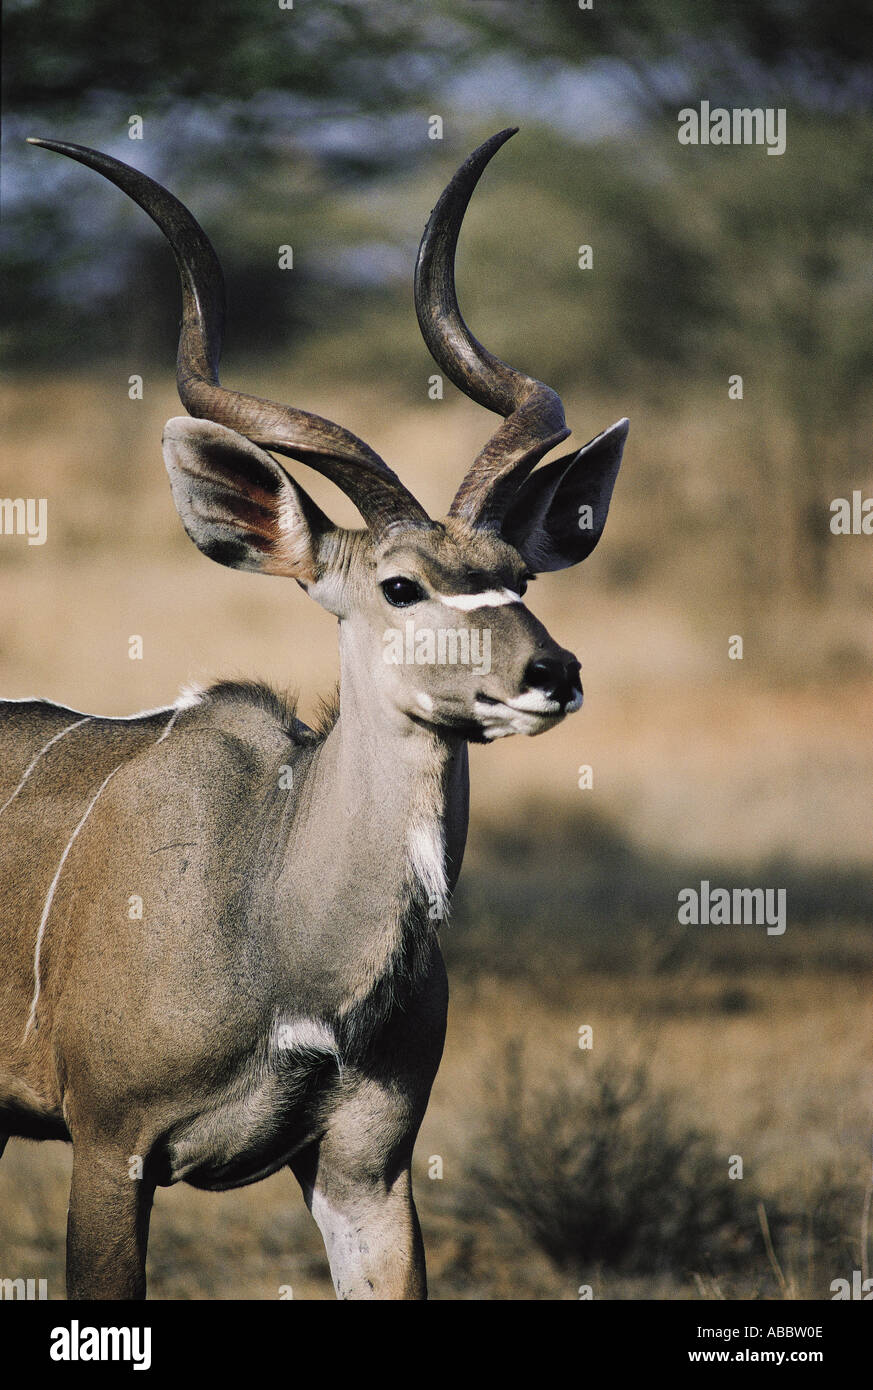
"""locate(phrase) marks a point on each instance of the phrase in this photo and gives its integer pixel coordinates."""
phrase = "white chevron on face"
(489, 598)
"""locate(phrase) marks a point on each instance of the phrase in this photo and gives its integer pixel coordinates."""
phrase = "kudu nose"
(556, 678)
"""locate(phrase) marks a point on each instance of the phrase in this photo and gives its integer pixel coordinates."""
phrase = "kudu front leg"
(371, 1234)
(107, 1226)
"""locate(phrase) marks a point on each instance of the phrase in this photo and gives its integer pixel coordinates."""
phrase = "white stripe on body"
(31, 1018)
(32, 764)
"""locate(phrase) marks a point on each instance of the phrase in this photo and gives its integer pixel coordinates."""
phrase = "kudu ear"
(557, 516)
(238, 505)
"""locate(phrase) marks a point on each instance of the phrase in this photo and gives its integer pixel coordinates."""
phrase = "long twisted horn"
(534, 415)
(374, 488)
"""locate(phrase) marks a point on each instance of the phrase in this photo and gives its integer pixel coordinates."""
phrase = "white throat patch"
(427, 859)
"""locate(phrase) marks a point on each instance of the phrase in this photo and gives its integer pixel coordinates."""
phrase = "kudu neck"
(388, 770)
(372, 726)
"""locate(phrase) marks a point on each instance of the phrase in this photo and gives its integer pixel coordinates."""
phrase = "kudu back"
(282, 999)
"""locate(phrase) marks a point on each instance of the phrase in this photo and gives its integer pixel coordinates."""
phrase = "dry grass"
(786, 1084)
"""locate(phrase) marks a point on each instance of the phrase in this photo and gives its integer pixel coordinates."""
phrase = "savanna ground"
(560, 1166)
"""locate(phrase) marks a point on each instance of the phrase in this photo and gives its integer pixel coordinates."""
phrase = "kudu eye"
(401, 593)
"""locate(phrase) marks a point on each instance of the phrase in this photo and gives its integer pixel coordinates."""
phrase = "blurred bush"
(602, 1172)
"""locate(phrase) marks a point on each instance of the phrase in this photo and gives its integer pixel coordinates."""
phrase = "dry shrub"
(599, 1169)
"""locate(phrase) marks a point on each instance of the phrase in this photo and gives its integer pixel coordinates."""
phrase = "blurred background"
(311, 127)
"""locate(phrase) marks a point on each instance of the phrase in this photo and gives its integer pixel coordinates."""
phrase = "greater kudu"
(283, 998)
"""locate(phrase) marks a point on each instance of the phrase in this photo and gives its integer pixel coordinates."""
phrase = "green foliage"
(272, 121)
(161, 52)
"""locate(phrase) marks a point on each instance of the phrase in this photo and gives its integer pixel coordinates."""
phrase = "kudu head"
(431, 613)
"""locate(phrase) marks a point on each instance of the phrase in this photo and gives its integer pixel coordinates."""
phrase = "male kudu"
(283, 999)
